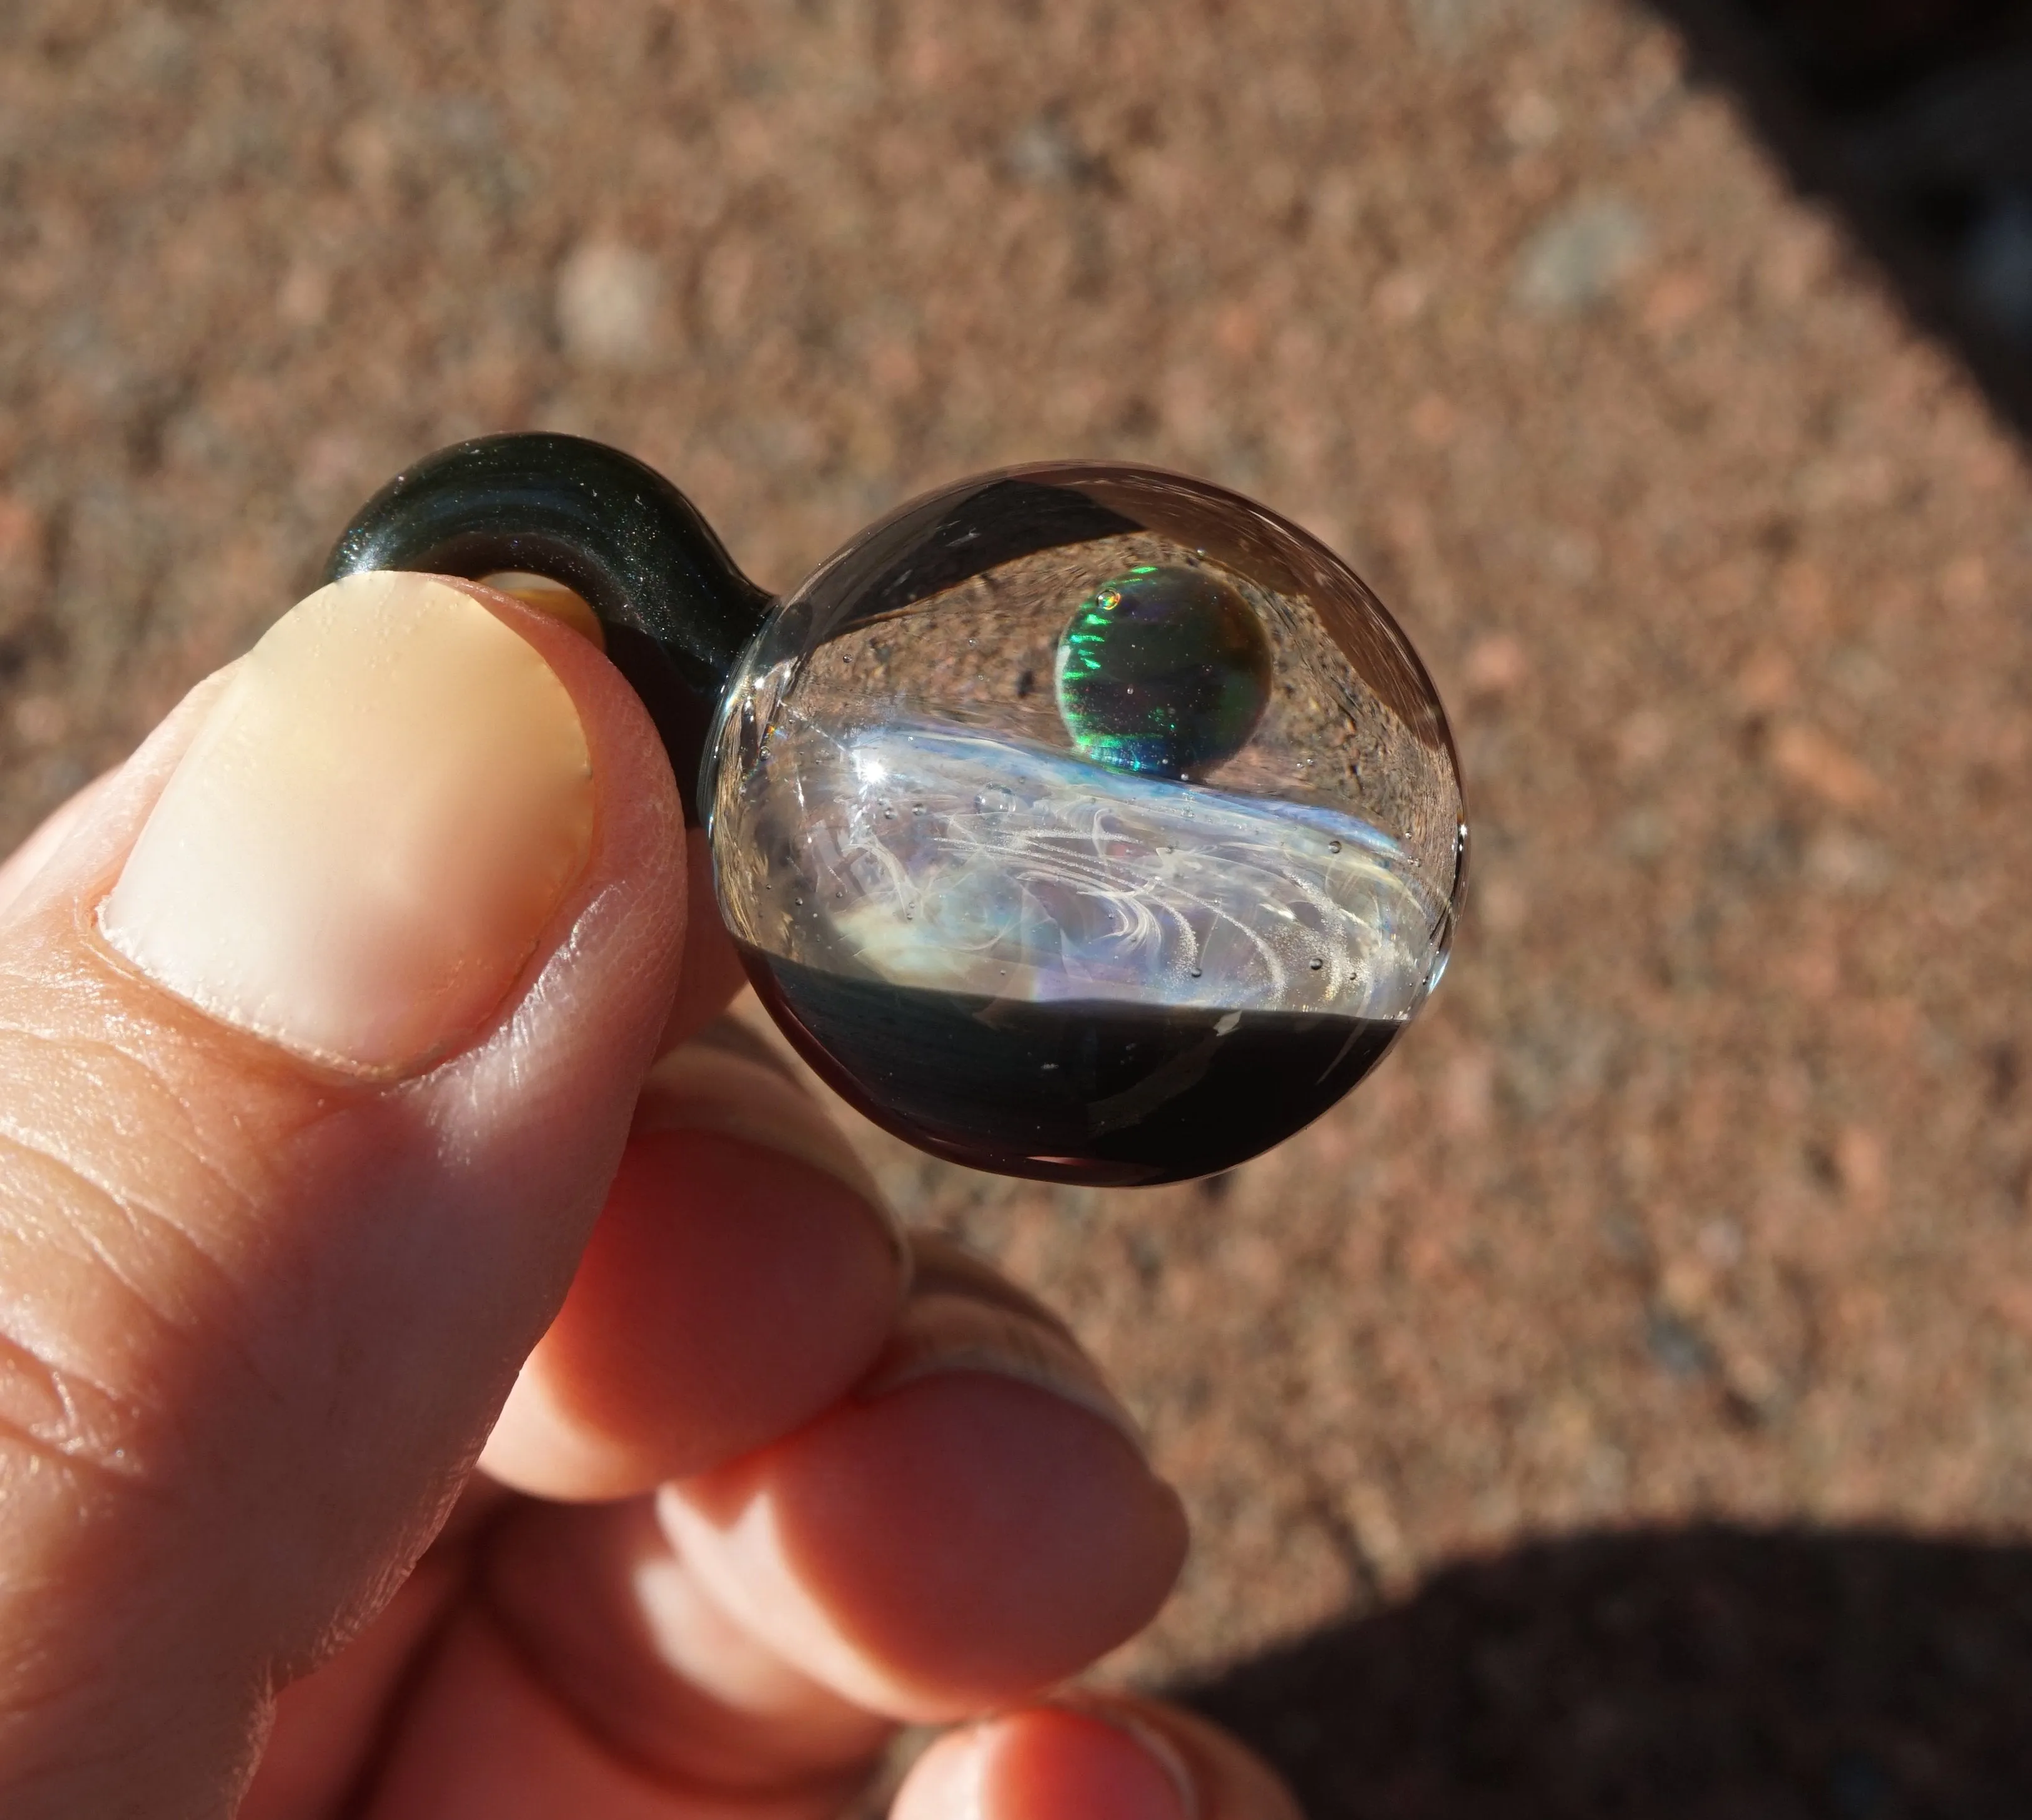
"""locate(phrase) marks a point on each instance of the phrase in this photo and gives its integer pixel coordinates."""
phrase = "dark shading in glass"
(676, 610)
(1119, 1095)
(1136, 926)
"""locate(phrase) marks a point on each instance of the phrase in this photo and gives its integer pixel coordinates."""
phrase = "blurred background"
(1623, 1404)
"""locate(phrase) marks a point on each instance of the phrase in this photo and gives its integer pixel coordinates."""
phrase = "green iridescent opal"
(1163, 671)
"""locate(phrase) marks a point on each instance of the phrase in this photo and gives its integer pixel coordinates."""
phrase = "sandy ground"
(1699, 1197)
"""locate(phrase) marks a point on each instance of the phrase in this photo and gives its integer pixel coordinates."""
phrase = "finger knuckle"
(111, 1301)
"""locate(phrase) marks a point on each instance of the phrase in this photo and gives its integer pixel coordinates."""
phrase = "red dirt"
(1702, 1191)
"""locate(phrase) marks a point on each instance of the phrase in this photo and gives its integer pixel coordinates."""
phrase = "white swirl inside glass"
(963, 862)
(901, 801)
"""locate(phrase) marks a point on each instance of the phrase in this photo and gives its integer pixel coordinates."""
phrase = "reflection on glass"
(1088, 823)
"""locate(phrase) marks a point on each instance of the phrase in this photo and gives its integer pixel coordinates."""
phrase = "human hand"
(325, 1022)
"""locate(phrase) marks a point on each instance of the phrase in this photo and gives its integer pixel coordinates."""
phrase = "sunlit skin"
(770, 1482)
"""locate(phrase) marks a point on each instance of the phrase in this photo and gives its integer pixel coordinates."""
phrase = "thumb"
(319, 1037)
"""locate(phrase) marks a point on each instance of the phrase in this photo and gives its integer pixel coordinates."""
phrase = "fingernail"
(1177, 1797)
(947, 1782)
(961, 1317)
(357, 854)
(546, 596)
(726, 1080)
(1069, 1760)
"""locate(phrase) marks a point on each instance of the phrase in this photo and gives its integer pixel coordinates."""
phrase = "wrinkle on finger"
(1091, 1756)
(327, 1724)
(1229, 1780)
(607, 1617)
(744, 1271)
(977, 1522)
(727, 1079)
(484, 1740)
(345, 1275)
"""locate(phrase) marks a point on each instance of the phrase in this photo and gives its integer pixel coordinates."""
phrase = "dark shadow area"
(1914, 119)
(1757, 1676)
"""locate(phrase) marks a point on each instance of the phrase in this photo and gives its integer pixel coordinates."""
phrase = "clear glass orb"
(1088, 823)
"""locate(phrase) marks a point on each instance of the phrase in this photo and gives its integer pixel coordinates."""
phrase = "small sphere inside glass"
(1087, 823)
(1163, 670)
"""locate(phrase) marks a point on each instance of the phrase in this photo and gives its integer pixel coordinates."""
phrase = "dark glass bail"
(676, 612)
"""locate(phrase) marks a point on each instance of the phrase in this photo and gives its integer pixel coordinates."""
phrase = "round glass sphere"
(1089, 823)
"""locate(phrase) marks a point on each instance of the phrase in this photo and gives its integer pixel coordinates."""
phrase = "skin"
(258, 1323)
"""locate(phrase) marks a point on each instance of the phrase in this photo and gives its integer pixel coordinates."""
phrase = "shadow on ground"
(1712, 1672)
(1913, 118)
